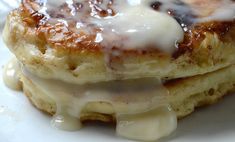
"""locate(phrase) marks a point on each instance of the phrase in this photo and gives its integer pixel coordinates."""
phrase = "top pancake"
(53, 41)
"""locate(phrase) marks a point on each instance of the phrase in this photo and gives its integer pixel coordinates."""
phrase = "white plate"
(21, 122)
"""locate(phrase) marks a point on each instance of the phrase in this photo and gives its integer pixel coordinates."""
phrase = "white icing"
(11, 74)
(137, 25)
(141, 26)
(137, 101)
(224, 13)
(148, 126)
(141, 108)
(53, 3)
(220, 10)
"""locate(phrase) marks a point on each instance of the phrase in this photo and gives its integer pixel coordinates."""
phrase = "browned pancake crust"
(67, 40)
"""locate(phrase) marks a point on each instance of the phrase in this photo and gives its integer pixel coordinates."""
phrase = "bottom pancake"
(185, 95)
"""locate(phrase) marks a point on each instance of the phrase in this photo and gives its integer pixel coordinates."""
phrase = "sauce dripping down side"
(136, 103)
(11, 74)
(140, 106)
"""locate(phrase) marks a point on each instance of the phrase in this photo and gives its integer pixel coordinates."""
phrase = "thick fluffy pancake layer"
(209, 48)
(185, 95)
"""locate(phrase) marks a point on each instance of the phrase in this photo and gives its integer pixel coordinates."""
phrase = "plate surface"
(21, 122)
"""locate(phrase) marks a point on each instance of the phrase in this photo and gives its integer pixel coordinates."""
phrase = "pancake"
(185, 95)
(140, 63)
(206, 47)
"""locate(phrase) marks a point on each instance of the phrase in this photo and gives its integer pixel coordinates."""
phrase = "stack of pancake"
(56, 43)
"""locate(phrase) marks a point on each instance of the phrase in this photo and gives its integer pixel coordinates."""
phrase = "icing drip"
(11, 74)
(136, 103)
